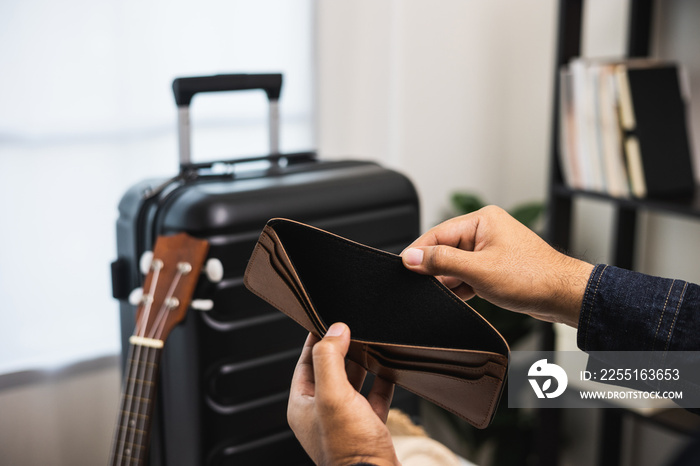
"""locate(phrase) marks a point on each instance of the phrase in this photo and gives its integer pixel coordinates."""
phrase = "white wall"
(456, 94)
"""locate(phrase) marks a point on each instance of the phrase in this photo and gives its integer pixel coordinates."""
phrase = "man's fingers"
(303, 378)
(458, 232)
(464, 291)
(380, 396)
(329, 363)
(441, 260)
(449, 282)
(311, 340)
(356, 374)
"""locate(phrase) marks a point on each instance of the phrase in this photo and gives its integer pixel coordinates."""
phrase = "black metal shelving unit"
(561, 197)
(561, 200)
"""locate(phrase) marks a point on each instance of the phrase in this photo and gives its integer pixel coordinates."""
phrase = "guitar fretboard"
(138, 395)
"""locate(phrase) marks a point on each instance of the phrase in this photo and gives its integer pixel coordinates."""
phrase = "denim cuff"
(630, 311)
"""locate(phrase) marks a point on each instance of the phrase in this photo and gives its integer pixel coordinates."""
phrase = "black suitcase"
(225, 372)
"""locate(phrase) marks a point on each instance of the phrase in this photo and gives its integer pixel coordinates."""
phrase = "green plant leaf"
(465, 203)
(512, 431)
(528, 214)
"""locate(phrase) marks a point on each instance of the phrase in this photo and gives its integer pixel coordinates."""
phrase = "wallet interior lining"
(381, 301)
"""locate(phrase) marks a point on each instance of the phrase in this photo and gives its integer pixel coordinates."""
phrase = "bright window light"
(86, 110)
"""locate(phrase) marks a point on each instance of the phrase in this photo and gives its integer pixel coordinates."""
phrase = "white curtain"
(86, 109)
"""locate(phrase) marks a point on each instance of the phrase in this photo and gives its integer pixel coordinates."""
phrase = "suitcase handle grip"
(185, 88)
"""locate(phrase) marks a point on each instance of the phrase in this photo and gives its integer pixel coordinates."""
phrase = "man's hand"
(335, 424)
(492, 255)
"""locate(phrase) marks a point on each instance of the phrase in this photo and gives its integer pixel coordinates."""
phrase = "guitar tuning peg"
(145, 262)
(136, 296)
(214, 270)
(202, 304)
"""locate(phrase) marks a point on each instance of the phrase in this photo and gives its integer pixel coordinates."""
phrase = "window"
(86, 110)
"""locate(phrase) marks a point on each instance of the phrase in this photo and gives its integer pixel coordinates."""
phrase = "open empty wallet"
(406, 328)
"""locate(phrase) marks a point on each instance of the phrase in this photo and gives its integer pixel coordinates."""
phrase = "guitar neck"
(130, 445)
(167, 291)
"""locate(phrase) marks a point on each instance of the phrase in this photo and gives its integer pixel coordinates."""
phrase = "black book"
(653, 116)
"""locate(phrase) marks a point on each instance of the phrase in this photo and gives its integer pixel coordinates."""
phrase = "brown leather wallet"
(406, 328)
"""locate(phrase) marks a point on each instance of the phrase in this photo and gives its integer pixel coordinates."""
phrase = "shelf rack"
(561, 200)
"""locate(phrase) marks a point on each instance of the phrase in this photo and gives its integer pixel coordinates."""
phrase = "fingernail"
(335, 330)
(413, 256)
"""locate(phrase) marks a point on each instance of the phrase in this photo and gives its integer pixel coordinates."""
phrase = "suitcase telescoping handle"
(185, 88)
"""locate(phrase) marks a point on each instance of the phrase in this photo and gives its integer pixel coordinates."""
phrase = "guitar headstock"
(167, 290)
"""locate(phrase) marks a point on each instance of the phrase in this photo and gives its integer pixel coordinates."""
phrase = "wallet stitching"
(473, 315)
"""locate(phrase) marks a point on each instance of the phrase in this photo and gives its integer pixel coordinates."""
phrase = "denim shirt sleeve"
(630, 311)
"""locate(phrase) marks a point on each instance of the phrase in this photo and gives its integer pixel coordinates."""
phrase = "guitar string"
(117, 444)
(132, 404)
(149, 297)
(132, 451)
(143, 402)
(159, 322)
(129, 394)
(127, 408)
(142, 414)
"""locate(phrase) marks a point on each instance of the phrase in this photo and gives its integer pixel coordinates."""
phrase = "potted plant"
(509, 439)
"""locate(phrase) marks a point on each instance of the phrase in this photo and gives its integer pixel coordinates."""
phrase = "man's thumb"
(438, 260)
(329, 359)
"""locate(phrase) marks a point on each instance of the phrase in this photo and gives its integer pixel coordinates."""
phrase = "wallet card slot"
(492, 364)
(263, 279)
(293, 289)
(282, 267)
(452, 370)
(472, 398)
(283, 273)
(271, 243)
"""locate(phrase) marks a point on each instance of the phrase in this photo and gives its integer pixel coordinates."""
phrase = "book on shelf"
(623, 128)
(611, 135)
